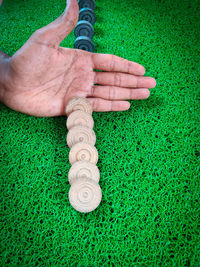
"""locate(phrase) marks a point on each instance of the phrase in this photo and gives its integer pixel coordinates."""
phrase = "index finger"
(109, 62)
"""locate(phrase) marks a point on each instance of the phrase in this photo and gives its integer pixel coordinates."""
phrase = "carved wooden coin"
(85, 195)
(83, 152)
(81, 118)
(78, 103)
(83, 169)
(78, 134)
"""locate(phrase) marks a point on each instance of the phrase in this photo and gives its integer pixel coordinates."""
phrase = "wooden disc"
(81, 118)
(85, 195)
(83, 152)
(80, 134)
(83, 169)
(78, 103)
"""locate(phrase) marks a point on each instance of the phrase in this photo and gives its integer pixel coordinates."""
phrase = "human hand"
(42, 76)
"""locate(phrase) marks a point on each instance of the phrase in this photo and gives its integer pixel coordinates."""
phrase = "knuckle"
(71, 23)
(129, 67)
(38, 33)
(130, 94)
(92, 92)
(95, 104)
(112, 62)
(135, 81)
(111, 106)
(111, 92)
(95, 77)
(117, 79)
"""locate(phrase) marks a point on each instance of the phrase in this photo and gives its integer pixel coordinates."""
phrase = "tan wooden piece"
(83, 152)
(78, 103)
(80, 134)
(85, 195)
(81, 118)
(83, 169)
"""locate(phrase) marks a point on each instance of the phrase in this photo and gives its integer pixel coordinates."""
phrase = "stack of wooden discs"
(85, 193)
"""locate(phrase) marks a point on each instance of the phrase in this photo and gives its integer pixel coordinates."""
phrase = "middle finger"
(124, 80)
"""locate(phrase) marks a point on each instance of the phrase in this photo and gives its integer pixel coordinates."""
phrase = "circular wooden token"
(85, 195)
(83, 152)
(78, 134)
(81, 118)
(83, 169)
(78, 103)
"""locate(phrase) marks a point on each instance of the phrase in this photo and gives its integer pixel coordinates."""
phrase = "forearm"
(4, 72)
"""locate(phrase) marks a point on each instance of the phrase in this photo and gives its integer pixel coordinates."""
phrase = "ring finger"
(124, 80)
(118, 93)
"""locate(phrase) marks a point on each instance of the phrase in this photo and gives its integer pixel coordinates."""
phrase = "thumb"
(54, 33)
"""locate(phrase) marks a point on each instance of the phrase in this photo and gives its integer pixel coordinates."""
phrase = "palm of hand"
(53, 77)
(43, 76)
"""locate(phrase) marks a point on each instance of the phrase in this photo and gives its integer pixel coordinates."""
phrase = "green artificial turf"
(148, 155)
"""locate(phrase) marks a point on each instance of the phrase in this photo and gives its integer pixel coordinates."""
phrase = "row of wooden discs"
(85, 193)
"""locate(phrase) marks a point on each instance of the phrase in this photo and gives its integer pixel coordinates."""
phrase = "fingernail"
(154, 82)
(127, 105)
(143, 70)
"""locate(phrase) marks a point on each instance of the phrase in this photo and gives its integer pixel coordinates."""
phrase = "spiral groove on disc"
(84, 43)
(81, 118)
(83, 169)
(78, 103)
(88, 15)
(84, 28)
(85, 195)
(79, 134)
(83, 152)
(87, 4)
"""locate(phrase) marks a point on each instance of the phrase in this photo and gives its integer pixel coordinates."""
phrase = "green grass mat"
(148, 156)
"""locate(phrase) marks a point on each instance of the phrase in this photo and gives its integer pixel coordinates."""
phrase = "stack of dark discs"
(84, 30)
(85, 193)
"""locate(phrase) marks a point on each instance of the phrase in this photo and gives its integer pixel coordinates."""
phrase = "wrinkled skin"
(42, 77)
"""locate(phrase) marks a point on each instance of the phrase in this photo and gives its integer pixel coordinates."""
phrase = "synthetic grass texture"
(148, 155)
